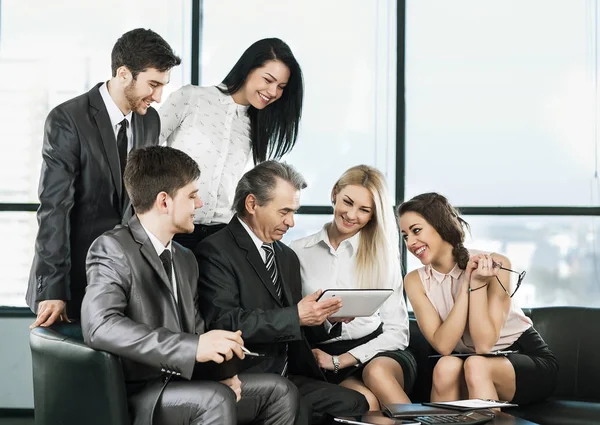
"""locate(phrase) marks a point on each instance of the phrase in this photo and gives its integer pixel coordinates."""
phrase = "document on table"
(471, 404)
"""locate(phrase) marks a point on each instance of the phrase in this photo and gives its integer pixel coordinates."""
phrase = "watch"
(336, 363)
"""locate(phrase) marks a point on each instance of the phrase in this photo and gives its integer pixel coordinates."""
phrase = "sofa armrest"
(74, 384)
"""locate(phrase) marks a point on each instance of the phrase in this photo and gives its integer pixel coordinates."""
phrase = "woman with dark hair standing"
(253, 114)
(463, 303)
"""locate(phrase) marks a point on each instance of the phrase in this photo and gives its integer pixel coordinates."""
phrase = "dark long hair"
(444, 218)
(274, 129)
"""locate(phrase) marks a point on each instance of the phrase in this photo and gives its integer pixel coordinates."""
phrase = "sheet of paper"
(475, 403)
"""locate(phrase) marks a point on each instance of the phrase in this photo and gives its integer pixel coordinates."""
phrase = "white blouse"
(215, 131)
(323, 267)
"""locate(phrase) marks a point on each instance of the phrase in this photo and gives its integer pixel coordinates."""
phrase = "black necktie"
(167, 262)
(272, 267)
(122, 145)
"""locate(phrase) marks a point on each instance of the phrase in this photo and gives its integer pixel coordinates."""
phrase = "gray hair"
(261, 181)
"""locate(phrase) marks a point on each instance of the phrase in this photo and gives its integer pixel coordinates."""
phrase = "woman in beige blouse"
(463, 303)
(253, 114)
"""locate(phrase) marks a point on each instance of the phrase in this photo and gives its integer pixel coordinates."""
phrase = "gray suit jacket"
(129, 310)
(81, 194)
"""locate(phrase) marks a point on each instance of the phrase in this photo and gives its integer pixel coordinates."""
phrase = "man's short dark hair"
(261, 181)
(141, 49)
(156, 169)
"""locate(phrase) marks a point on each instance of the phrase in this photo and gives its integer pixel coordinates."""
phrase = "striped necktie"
(272, 267)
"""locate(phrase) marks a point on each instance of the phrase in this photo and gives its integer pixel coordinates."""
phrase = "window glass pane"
(500, 112)
(53, 51)
(15, 257)
(560, 255)
(348, 58)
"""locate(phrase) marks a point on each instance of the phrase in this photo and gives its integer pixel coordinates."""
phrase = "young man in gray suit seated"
(141, 304)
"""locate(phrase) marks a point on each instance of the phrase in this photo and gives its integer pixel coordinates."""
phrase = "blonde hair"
(378, 254)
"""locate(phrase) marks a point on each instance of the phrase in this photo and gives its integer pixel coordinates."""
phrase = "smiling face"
(183, 206)
(421, 238)
(145, 89)
(353, 208)
(265, 85)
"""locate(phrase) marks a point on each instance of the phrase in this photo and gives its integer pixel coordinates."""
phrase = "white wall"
(16, 384)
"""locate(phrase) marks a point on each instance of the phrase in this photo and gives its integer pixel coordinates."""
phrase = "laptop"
(428, 415)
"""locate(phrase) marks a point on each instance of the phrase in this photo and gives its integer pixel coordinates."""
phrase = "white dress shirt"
(158, 246)
(323, 267)
(116, 116)
(215, 131)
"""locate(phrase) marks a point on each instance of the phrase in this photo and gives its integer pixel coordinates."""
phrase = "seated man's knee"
(356, 401)
(215, 397)
(283, 389)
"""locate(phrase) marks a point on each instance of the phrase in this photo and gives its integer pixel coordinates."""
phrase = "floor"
(16, 421)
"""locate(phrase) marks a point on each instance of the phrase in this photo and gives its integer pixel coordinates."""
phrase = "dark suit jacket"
(129, 310)
(236, 292)
(81, 194)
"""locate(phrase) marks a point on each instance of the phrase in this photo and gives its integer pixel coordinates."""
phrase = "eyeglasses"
(519, 281)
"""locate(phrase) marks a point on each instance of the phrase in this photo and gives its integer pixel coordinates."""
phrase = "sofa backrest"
(572, 333)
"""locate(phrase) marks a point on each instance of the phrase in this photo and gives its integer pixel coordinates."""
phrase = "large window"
(500, 101)
(51, 52)
(347, 53)
(501, 113)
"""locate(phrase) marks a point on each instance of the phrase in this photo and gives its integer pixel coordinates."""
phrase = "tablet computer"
(357, 302)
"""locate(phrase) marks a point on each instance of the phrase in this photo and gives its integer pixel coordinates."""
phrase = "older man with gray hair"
(250, 281)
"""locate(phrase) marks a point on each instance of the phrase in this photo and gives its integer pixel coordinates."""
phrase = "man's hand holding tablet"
(313, 313)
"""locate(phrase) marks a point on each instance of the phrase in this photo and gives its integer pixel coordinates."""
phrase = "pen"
(250, 353)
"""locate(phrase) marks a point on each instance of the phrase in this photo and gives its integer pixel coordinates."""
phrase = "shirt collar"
(455, 273)
(156, 243)
(323, 237)
(114, 113)
(227, 99)
(259, 243)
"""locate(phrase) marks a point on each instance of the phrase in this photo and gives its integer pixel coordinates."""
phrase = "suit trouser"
(319, 400)
(266, 399)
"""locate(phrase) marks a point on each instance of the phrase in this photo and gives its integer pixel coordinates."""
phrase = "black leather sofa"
(80, 385)
(74, 384)
(572, 333)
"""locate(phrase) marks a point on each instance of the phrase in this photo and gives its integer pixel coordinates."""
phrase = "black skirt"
(536, 368)
(405, 359)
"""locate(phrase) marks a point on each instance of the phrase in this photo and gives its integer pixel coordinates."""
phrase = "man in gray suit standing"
(141, 304)
(86, 141)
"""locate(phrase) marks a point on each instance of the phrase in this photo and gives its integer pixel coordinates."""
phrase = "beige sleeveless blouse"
(442, 290)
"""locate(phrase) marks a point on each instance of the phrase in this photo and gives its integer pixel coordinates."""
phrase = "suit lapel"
(149, 253)
(186, 298)
(287, 294)
(245, 242)
(108, 138)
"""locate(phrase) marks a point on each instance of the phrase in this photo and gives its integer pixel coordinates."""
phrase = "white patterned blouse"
(215, 131)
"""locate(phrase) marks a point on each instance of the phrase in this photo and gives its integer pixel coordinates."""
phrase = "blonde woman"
(359, 249)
